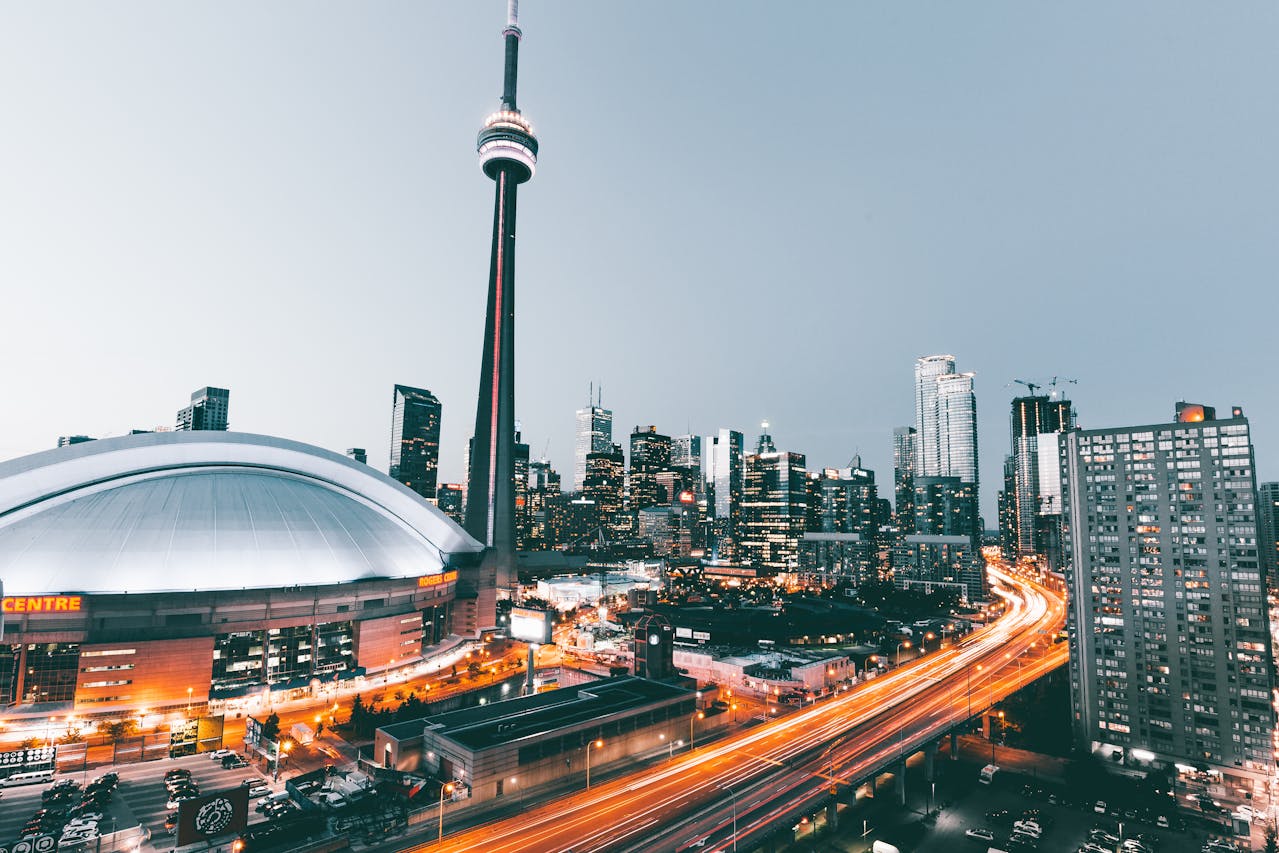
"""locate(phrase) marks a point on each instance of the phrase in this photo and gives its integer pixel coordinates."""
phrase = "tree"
(118, 730)
(271, 728)
(1272, 838)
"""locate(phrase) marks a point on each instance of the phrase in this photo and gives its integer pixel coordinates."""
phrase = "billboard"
(32, 844)
(210, 815)
(531, 626)
(35, 758)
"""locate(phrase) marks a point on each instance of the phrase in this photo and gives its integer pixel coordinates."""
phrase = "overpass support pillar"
(930, 754)
(954, 745)
(832, 814)
(899, 772)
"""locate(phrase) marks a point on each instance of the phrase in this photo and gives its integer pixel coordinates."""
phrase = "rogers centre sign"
(436, 580)
(41, 604)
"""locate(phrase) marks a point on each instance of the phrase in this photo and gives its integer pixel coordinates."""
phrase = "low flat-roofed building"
(532, 740)
(930, 562)
(767, 672)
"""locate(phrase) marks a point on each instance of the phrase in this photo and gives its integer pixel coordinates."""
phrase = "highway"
(743, 785)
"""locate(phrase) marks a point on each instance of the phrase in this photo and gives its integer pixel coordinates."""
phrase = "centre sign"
(41, 604)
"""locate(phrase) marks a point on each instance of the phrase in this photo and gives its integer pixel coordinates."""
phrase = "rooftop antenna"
(590, 394)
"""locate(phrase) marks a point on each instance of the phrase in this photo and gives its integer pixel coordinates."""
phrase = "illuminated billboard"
(530, 625)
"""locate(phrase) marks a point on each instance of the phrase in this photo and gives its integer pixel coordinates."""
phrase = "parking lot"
(139, 798)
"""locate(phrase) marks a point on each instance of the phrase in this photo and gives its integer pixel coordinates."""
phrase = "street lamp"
(700, 715)
(598, 744)
(733, 794)
(280, 747)
(992, 737)
(444, 789)
(190, 690)
(903, 643)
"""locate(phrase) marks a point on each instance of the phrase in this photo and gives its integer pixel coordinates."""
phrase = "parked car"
(233, 762)
(178, 796)
(257, 787)
(177, 773)
(1099, 807)
(981, 834)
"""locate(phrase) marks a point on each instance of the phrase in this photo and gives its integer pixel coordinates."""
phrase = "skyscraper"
(594, 435)
(722, 462)
(1170, 643)
(415, 439)
(686, 452)
(774, 507)
(208, 409)
(508, 155)
(1035, 420)
(946, 425)
(1268, 530)
(904, 477)
(605, 479)
(650, 456)
(359, 454)
(927, 452)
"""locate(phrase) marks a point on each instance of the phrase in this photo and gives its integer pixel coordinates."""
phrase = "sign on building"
(531, 625)
(206, 817)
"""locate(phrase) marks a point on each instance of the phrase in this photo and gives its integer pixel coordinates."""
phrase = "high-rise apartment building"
(1170, 648)
(650, 456)
(523, 522)
(945, 506)
(415, 439)
(904, 477)
(844, 500)
(208, 409)
(68, 440)
(1268, 530)
(594, 435)
(946, 425)
(359, 454)
(774, 507)
(927, 434)
(722, 465)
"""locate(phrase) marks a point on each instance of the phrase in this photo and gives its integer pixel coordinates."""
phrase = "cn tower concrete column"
(930, 753)
(899, 774)
(954, 745)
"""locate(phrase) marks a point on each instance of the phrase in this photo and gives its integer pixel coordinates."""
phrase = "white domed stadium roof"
(210, 510)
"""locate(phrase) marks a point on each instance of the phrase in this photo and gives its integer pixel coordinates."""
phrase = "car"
(1099, 807)
(257, 787)
(85, 817)
(981, 834)
(1026, 828)
(178, 796)
(233, 762)
(1093, 847)
(1132, 845)
(177, 773)
(1101, 836)
(171, 823)
(280, 809)
(219, 754)
(277, 797)
(182, 785)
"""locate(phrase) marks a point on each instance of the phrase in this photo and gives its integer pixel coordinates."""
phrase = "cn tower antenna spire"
(512, 34)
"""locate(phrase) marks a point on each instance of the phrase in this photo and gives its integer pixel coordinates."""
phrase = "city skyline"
(290, 234)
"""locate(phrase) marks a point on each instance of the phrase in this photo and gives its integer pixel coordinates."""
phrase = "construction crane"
(1031, 385)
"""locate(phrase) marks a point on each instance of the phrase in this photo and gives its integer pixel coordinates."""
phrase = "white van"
(30, 777)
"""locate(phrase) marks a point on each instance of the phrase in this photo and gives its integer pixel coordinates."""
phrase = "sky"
(742, 211)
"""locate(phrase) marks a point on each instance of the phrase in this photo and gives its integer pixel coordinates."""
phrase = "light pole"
(444, 789)
(733, 794)
(598, 744)
(190, 690)
(905, 643)
(700, 715)
(992, 737)
(279, 748)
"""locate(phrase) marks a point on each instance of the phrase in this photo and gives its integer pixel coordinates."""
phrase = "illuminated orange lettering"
(42, 604)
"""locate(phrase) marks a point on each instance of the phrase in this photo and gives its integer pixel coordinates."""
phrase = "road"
(744, 785)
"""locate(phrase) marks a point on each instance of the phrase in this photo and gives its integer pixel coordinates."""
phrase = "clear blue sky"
(743, 210)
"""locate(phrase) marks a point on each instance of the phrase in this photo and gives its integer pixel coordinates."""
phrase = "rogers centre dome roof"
(210, 510)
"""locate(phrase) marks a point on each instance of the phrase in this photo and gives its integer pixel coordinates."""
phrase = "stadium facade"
(166, 570)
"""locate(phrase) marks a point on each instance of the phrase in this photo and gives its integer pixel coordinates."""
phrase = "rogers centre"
(163, 570)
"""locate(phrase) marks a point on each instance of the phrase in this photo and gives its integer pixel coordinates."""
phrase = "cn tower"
(508, 155)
